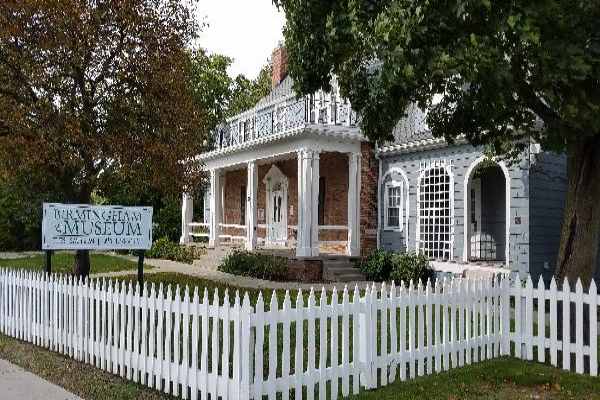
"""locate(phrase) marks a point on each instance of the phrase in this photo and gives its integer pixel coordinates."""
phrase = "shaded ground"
(62, 262)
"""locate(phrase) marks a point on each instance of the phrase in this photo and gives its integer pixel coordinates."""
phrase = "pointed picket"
(310, 365)
(322, 356)
(152, 339)
(383, 338)
(593, 301)
(214, 346)
(272, 345)
(429, 326)
(204, 367)
(393, 333)
(168, 341)
(237, 346)
(285, 355)
(579, 327)
(185, 360)
(195, 310)
(259, 322)
(412, 329)
(529, 318)
(299, 354)
(176, 309)
(403, 356)
(225, 334)
(566, 325)
(437, 330)
(346, 343)
(553, 323)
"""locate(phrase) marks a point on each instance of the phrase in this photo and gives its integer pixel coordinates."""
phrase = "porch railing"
(282, 116)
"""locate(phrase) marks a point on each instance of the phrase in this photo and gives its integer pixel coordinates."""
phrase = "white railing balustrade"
(192, 344)
(282, 116)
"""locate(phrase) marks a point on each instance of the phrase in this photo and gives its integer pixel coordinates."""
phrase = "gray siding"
(461, 156)
(548, 185)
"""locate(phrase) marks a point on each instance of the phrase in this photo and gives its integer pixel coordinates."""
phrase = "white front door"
(276, 184)
(276, 225)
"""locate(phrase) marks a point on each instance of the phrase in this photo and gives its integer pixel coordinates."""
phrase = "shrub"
(256, 265)
(164, 248)
(377, 266)
(381, 265)
(410, 266)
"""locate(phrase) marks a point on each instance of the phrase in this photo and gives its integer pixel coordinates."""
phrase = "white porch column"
(353, 248)
(215, 208)
(187, 215)
(251, 206)
(314, 224)
(303, 242)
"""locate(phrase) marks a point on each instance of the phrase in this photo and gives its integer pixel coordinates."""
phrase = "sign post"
(87, 227)
(48, 261)
(141, 267)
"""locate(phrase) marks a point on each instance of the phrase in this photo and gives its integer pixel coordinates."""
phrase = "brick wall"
(333, 168)
(368, 199)
(280, 65)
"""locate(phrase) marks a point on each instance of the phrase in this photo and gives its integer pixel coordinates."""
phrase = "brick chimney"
(279, 60)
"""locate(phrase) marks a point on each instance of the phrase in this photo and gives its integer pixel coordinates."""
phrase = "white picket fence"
(330, 345)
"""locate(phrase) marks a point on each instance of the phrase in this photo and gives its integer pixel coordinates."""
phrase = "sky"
(245, 30)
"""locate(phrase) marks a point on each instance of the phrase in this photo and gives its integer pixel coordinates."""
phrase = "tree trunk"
(580, 236)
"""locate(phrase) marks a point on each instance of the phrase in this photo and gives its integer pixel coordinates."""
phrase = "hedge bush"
(166, 249)
(377, 266)
(256, 265)
(410, 266)
(382, 265)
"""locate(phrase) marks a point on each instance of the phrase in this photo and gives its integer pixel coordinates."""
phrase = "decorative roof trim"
(417, 145)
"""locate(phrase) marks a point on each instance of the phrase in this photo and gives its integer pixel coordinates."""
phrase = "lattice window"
(435, 217)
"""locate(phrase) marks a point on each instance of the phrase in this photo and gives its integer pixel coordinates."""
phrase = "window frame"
(386, 200)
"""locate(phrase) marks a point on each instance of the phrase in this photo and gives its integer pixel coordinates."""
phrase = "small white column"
(215, 208)
(353, 248)
(251, 206)
(314, 224)
(187, 215)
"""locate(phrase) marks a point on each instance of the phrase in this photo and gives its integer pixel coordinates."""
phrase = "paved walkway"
(16, 383)
(206, 268)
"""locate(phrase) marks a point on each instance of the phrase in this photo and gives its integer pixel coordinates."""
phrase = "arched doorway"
(487, 212)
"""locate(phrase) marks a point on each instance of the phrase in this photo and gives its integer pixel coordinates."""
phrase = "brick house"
(297, 174)
(291, 173)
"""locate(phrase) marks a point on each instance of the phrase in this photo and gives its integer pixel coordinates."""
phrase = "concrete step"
(341, 271)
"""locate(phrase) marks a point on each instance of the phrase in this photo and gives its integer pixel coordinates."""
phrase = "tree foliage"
(90, 88)
(93, 89)
(509, 71)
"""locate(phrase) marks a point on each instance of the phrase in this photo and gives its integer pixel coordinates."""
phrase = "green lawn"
(498, 379)
(62, 262)
(504, 378)
(182, 280)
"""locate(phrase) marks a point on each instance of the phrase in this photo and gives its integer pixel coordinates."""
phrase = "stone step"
(341, 271)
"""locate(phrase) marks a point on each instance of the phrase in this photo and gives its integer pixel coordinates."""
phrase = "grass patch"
(62, 262)
(84, 380)
(503, 378)
(183, 280)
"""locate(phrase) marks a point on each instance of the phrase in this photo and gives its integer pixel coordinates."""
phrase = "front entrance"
(277, 184)
(487, 213)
